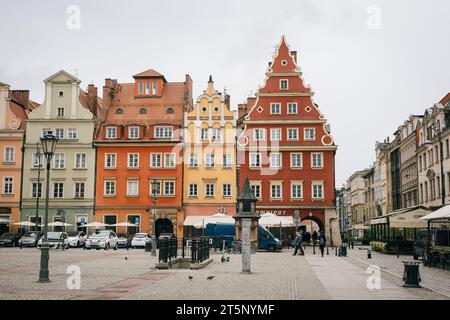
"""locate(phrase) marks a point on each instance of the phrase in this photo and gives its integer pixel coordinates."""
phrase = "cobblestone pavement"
(434, 278)
(130, 274)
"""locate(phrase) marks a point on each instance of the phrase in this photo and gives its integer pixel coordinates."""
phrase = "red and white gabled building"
(285, 147)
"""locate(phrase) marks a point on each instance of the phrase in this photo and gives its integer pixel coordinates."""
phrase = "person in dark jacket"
(314, 237)
(322, 242)
(298, 244)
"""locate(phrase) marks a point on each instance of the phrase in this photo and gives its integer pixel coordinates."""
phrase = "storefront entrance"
(163, 226)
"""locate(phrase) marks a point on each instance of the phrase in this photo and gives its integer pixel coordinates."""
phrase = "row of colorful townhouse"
(147, 145)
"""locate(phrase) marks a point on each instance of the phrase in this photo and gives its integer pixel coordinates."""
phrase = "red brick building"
(285, 147)
(139, 139)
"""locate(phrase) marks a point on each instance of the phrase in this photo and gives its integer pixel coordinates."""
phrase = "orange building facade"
(140, 140)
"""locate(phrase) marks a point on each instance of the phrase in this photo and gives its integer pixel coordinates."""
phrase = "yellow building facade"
(209, 158)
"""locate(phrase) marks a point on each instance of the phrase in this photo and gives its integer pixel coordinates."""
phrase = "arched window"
(170, 110)
(119, 111)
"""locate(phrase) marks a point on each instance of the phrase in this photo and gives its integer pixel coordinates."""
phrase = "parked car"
(30, 239)
(102, 239)
(124, 240)
(57, 240)
(77, 238)
(140, 239)
(9, 239)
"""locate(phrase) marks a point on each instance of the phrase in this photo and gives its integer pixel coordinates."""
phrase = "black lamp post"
(49, 142)
(38, 185)
(154, 184)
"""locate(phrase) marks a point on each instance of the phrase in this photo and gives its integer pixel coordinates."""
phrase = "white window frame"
(135, 164)
(5, 154)
(292, 162)
(54, 185)
(159, 190)
(257, 137)
(75, 189)
(160, 160)
(76, 160)
(165, 189)
(251, 159)
(174, 160)
(140, 88)
(272, 184)
(60, 130)
(229, 192)
(313, 166)
(297, 183)
(317, 183)
(10, 183)
(275, 104)
(227, 160)
(287, 84)
(58, 113)
(154, 88)
(114, 156)
(70, 133)
(213, 189)
(110, 130)
(63, 158)
(259, 185)
(60, 93)
(191, 187)
(208, 158)
(272, 131)
(105, 189)
(204, 133)
(292, 104)
(38, 188)
(34, 158)
(294, 130)
(132, 131)
(164, 130)
(135, 182)
(280, 157)
(306, 137)
(193, 160)
(215, 134)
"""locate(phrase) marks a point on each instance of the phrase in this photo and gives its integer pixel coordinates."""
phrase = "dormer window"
(60, 93)
(60, 112)
(155, 88)
(163, 132)
(111, 133)
(284, 84)
(133, 133)
(119, 111)
(147, 88)
(170, 111)
(141, 88)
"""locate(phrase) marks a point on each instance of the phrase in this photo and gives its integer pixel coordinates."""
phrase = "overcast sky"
(370, 63)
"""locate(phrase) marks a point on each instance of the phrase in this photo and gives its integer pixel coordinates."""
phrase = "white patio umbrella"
(124, 224)
(215, 218)
(25, 224)
(58, 224)
(272, 220)
(96, 224)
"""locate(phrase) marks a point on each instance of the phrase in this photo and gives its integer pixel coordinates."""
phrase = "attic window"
(170, 110)
(216, 109)
(60, 93)
(119, 111)
(204, 109)
(143, 111)
(283, 62)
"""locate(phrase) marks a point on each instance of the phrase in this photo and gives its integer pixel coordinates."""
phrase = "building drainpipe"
(21, 175)
(182, 186)
(95, 180)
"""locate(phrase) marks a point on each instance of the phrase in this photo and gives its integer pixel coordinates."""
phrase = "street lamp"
(154, 184)
(38, 185)
(48, 142)
(438, 132)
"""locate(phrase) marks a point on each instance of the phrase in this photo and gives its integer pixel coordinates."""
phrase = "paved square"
(130, 274)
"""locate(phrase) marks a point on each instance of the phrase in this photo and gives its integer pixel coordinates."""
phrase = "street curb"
(396, 275)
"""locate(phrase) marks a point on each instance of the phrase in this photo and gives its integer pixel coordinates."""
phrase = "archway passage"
(319, 222)
(163, 226)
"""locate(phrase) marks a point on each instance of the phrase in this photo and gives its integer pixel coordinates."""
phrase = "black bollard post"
(369, 253)
(327, 251)
(314, 248)
(335, 252)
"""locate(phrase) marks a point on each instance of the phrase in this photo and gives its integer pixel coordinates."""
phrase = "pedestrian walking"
(298, 244)
(322, 242)
(314, 237)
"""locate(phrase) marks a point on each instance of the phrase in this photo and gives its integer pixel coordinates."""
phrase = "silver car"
(58, 240)
(77, 238)
(30, 239)
(102, 239)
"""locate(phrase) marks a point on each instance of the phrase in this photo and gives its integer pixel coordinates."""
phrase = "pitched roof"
(445, 99)
(150, 73)
(62, 72)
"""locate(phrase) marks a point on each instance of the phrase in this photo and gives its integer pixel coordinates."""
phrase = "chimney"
(294, 54)
(92, 99)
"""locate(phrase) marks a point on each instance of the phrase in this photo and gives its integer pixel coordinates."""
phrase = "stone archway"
(316, 220)
(163, 225)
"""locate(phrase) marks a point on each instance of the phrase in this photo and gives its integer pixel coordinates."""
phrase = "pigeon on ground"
(190, 277)
(228, 259)
(126, 258)
(210, 277)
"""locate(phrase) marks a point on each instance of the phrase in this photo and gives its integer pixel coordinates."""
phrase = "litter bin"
(411, 275)
(148, 246)
(343, 251)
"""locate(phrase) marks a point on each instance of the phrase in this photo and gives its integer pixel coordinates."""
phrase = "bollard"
(336, 252)
(411, 275)
(369, 253)
(314, 248)
(327, 251)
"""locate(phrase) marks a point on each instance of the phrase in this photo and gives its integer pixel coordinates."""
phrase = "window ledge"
(275, 199)
(9, 162)
(58, 168)
(296, 168)
(80, 168)
(133, 168)
(110, 168)
(317, 168)
(7, 194)
(133, 196)
(109, 196)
